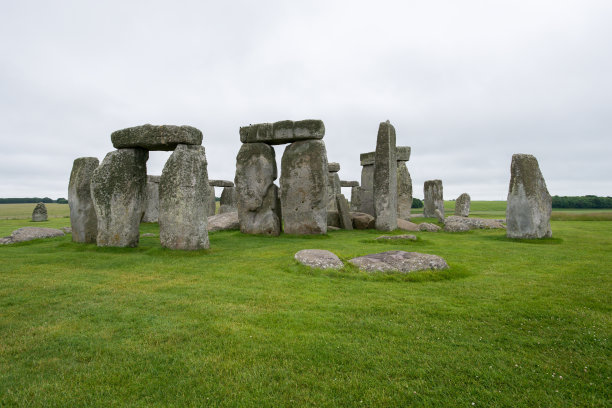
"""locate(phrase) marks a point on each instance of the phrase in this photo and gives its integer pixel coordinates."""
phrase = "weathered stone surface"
(333, 189)
(355, 198)
(439, 215)
(118, 190)
(333, 167)
(529, 204)
(83, 218)
(318, 258)
(225, 221)
(333, 219)
(399, 261)
(367, 190)
(407, 225)
(30, 233)
(363, 221)
(39, 213)
(66, 230)
(148, 235)
(151, 213)
(433, 198)
(429, 227)
(367, 159)
(395, 237)
(286, 131)
(212, 201)
(344, 183)
(258, 208)
(402, 153)
(385, 179)
(183, 199)
(344, 214)
(150, 137)
(229, 199)
(456, 223)
(404, 191)
(304, 181)
(462, 205)
(221, 183)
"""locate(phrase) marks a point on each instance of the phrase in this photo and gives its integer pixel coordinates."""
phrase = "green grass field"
(512, 323)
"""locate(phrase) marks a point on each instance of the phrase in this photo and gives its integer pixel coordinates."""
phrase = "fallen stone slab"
(407, 225)
(318, 258)
(223, 222)
(220, 183)
(363, 221)
(429, 227)
(456, 223)
(152, 137)
(285, 131)
(399, 261)
(30, 233)
(394, 237)
(344, 183)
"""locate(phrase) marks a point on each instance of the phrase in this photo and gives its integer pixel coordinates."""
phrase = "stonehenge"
(301, 202)
(433, 198)
(529, 204)
(83, 220)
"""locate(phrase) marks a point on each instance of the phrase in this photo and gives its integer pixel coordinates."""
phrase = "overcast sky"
(465, 83)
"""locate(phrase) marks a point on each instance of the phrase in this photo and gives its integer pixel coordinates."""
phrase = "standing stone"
(344, 213)
(462, 205)
(152, 202)
(256, 192)
(355, 198)
(183, 204)
(212, 201)
(433, 198)
(404, 191)
(333, 189)
(366, 200)
(385, 179)
(228, 200)
(39, 213)
(118, 190)
(529, 203)
(304, 181)
(83, 220)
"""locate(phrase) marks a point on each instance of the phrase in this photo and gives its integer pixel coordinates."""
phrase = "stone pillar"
(39, 213)
(228, 200)
(255, 189)
(434, 198)
(529, 204)
(344, 214)
(355, 198)
(211, 202)
(462, 205)
(333, 189)
(304, 180)
(367, 183)
(385, 178)
(152, 202)
(183, 203)
(118, 190)
(404, 183)
(83, 220)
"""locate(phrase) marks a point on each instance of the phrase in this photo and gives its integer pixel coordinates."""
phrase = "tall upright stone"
(118, 190)
(229, 198)
(152, 202)
(355, 198)
(366, 200)
(385, 178)
(333, 189)
(304, 181)
(404, 191)
(39, 213)
(211, 201)
(462, 205)
(258, 201)
(529, 204)
(83, 220)
(434, 198)
(183, 204)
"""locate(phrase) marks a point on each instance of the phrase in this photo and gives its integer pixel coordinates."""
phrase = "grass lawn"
(512, 323)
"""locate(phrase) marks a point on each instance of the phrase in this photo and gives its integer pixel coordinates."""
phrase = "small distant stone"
(318, 258)
(439, 215)
(393, 237)
(148, 234)
(407, 225)
(429, 227)
(332, 228)
(66, 230)
(39, 213)
(30, 233)
(225, 221)
(399, 261)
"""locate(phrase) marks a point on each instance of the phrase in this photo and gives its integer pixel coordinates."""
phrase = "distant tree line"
(588, 201)
(34, 200)
(416, 203)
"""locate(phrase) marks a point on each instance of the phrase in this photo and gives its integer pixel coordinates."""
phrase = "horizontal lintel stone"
(285, 131)
(333, 167)
(344, 183)
(220, 183)
(152, 137)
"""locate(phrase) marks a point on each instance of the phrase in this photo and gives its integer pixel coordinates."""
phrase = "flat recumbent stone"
(318, 258)
(151, 137)
(399, 261)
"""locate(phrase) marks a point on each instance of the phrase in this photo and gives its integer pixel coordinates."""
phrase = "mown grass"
(24, 211)
(512, 323)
